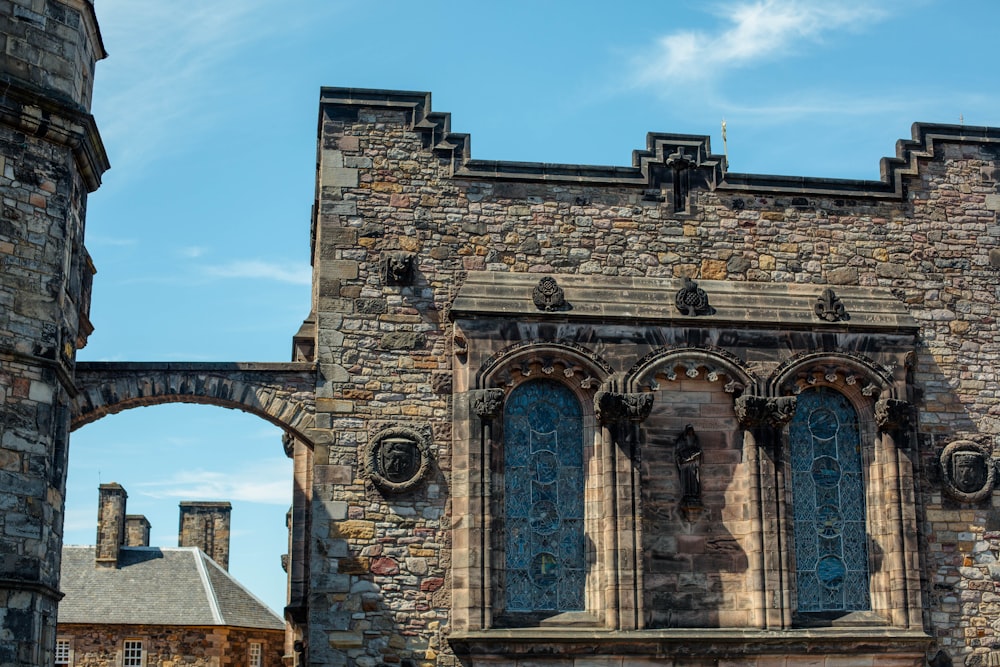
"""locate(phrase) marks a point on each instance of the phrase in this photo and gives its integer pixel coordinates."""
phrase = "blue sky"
(200, 233)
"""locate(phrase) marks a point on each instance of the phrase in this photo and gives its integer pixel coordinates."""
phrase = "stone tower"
(51, 157)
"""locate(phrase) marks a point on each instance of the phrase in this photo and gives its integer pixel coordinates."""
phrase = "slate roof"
(157, 586)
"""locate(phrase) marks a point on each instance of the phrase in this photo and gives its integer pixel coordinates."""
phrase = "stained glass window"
(544, 559)
(828, 509)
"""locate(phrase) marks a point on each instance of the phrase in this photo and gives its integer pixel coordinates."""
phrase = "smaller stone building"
(128, 604)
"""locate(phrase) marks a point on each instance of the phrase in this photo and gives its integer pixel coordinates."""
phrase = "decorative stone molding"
(486, 403)
(775, 412)
(397, 459)
(548, 295)
(612, 407)
(967, 471)
(896, 417)
(397, 267)
(829, 307)
(692, 300)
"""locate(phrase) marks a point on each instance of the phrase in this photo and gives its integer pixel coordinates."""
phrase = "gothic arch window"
(544, 560)
(828, 510)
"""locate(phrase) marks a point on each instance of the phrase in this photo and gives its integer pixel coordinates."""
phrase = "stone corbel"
(397, 267)
(487, 404)
(895, 418)
(622, 414)
(765, 417)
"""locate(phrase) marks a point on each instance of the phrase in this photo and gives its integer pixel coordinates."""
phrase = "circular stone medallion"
(968, 471)
(397, 459)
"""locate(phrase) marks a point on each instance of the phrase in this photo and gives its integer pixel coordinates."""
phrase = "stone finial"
(548, 295)
(692, 300)
(829, 307)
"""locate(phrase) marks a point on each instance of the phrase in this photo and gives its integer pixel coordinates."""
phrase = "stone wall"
(396, 184)
(166, 646)
(50, 158)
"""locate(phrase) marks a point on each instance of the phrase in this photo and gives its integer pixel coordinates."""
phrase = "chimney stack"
(136, 530)
(110, 524)
(206, 525)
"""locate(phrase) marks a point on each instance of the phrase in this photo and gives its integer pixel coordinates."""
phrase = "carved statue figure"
(688, 456)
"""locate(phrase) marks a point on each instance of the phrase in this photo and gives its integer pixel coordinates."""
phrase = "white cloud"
(755, 32)
(295, 273)
(192, 252)
(263, 481)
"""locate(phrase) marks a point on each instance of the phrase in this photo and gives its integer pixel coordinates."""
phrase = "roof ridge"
(213, 600)
(243, 588)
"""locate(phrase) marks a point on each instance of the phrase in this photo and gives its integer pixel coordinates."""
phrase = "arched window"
(828, 492)
(544, 561)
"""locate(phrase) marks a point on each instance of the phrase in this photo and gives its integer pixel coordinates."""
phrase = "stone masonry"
(51, 157)
(425, 261)
(679, 315)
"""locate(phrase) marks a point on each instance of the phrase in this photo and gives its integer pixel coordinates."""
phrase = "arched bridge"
(282, 393)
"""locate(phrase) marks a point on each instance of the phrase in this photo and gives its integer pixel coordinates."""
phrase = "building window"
(62, 652)
(544, 560)
(132, 654)
(255, 653)
(828, 515)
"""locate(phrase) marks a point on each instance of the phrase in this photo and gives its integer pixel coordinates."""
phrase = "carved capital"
(613, 407)
(486, 403)
(893, 415)
(754, 411)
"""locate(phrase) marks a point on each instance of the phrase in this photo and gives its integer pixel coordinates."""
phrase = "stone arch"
(573, 363)
(862, 380)
(662, 364)
(281, 393)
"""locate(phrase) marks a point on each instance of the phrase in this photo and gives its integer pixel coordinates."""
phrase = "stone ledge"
(651, 300)
(696, 642)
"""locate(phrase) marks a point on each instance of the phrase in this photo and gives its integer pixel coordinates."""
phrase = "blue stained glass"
(828, 504)
(543, 499)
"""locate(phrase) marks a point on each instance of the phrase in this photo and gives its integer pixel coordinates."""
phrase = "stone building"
(129, 604)
(657, 414)
(559, 414)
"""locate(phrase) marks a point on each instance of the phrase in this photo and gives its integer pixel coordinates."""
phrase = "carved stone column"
(895, 420)
(764, 418)
(620, 415)
(487, 404)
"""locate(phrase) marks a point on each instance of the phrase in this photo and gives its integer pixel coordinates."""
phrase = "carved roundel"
(397, 459)
(968, 471)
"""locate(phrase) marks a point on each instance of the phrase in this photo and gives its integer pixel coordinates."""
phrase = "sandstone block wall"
(387, 571)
